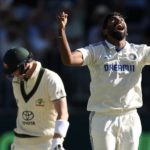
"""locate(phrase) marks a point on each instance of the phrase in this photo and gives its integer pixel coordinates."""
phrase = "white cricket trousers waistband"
(35, 143)
(115, 131)
(116, 112)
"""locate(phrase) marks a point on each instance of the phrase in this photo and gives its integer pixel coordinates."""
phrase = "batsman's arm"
(61, 124)
(71, 58)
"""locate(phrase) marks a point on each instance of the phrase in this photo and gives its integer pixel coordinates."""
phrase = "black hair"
(106, 19)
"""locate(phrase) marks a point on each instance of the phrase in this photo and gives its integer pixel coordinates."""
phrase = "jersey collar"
(111, 46)
(36, 71)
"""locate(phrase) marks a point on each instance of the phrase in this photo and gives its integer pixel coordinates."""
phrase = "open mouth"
(120, 27)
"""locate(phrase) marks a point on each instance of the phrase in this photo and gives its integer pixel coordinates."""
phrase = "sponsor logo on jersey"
(119, 67)
(39, 102)
(28, 117)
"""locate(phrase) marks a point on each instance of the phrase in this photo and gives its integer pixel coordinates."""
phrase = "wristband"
(61, 127)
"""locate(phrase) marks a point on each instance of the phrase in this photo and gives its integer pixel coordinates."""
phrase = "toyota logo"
(27, 115)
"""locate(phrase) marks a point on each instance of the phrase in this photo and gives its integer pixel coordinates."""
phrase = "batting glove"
(57, 144)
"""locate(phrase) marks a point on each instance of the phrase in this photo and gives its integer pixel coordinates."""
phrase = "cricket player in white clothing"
(42, 119)
(115, 67)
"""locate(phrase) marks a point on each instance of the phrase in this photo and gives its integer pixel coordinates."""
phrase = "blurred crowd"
(33, 25)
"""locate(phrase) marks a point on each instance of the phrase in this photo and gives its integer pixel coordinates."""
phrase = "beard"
(118, 35)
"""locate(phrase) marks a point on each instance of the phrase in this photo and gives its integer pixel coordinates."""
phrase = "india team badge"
(132, 56)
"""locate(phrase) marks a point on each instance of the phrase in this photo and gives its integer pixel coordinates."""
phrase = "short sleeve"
(87, 55)
(55, 86)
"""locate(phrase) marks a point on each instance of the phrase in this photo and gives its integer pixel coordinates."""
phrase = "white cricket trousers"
(115, 131)
(35, 143)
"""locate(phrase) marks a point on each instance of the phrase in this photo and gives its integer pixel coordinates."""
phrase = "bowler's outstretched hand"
(62, 20)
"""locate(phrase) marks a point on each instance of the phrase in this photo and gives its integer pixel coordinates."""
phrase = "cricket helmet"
(14, 58)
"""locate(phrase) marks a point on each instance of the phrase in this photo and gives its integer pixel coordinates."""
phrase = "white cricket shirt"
(36, 116)
(115, 76)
